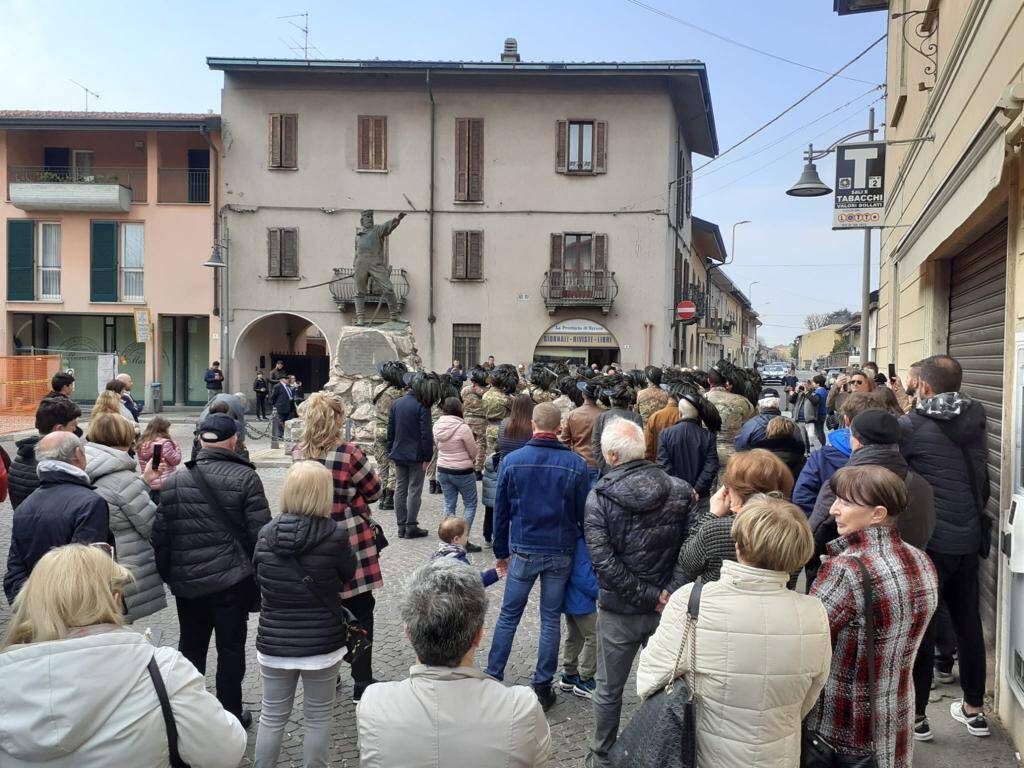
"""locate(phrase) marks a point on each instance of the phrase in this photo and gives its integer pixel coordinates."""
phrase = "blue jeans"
(523, 570)
(453, 486)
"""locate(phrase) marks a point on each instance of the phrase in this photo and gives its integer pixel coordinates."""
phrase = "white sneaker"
(977, 725)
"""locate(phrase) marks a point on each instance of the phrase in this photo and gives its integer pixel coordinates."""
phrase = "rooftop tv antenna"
(304, 29)
(88, 93)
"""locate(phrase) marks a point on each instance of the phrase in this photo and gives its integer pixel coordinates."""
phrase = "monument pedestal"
(354, 372)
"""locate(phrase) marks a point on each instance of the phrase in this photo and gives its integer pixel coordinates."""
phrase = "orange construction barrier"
(24, 381)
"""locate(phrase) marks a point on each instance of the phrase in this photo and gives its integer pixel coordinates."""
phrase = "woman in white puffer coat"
(115, 474)
(763, 651)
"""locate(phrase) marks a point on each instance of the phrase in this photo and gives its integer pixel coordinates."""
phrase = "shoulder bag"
(238, 535)
(663, 732)
(356, 638)
(168, 714)
(815, 752)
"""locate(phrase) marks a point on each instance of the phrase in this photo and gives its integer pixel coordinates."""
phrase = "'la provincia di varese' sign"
(860, 185)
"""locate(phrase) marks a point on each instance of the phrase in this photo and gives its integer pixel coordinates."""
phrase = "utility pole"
(866, 286)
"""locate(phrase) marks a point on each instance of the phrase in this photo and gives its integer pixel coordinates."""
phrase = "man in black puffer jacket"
(943, 439)
(204, 554)
(54, 414)
(635, 522)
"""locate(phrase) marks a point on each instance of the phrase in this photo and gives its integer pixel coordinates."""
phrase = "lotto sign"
(686, 311)
(860, 185)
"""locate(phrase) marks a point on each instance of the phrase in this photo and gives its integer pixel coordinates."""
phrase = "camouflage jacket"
(384, 398)
(734, 410)
(542, 395)
(650, 400)
(497, 405)
(472, 401)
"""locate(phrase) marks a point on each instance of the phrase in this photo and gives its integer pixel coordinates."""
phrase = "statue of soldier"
(369, 262)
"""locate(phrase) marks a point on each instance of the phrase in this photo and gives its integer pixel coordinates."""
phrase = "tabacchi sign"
(860, 185)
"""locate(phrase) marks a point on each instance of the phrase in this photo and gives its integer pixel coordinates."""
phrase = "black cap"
(766, 393)
(216, 427)
(876, 428)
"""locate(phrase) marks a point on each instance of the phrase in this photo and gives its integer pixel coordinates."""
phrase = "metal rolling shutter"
(977, 310)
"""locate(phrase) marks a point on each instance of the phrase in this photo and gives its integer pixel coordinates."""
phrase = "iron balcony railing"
(183, 185)
(132, 178)
(583, 288)
(343, 289)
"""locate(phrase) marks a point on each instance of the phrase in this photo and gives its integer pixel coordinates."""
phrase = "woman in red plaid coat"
(868, 501)
(355, 486)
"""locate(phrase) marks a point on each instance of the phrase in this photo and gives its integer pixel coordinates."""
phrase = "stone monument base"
(354, 373)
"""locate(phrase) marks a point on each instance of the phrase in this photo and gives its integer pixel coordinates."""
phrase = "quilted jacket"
(116, 478)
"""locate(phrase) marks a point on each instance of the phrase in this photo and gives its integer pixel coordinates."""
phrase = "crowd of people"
(807, 565)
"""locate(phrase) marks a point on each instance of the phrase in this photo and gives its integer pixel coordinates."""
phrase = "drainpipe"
(648, 327)
(221, 275)
(431, 317)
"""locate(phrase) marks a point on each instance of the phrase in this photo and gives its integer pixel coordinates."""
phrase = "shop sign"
(578, 333)
(860, 185)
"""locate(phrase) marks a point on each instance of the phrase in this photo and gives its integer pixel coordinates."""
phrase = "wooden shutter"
(459, 255)
(475, 256)
(275, 141)
(103, 248)
(273, 253)
(600, 264)
(380, 144)
(561, 145)
(476, 160)
(364, 142)
(21, 250)
(600, 146)
(462, 159)
(289, 141)
(557, 250)
(289, 253)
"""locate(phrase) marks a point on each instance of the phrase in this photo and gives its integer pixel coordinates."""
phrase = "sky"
(151, 56)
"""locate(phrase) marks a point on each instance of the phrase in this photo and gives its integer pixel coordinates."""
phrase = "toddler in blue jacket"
(454, 533)
(580, 608)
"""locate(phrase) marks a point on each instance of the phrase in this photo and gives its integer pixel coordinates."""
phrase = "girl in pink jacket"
(158, 432)
(456, 454)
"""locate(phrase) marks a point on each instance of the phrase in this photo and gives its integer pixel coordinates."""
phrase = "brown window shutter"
(600, 253)
(364, 143)
(561, 145)
(289, 253)
(275, 141)
(274, 253)
(476, 160)
(557, 251)
(461, 158)
(379, 159)
(459, 253)
(600, 147)
(475, 256)
(289, 141)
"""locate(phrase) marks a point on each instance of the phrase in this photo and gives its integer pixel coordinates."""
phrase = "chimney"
(511, 52)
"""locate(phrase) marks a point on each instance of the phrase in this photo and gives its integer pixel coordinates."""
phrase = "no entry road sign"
(686, 311)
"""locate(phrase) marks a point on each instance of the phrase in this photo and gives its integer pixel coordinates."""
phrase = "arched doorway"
(577, 341)
(295, 340)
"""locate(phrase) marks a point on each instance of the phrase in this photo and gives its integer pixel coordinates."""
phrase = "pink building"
(103, 214)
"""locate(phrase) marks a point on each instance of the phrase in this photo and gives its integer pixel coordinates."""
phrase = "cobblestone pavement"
(571, 717)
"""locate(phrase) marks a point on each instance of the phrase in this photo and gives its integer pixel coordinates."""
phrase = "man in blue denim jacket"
(538, 516)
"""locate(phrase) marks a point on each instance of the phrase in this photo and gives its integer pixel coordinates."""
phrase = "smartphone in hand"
(158, 452)
(892, 371)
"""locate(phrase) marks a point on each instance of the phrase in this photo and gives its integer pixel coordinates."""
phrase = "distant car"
(773, 372)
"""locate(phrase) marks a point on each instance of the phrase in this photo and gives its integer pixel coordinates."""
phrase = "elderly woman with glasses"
(448, 712)
(81, 689)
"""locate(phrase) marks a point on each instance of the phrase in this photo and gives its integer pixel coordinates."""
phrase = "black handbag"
(168, 714)
(663, 733)
(239, 536)
(815, 752)
(379, 538)
(357, 639)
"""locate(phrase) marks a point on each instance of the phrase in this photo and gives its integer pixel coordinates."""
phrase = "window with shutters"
(284, 141)
(132, 262)
(117, 261)
(579, 265)
(48, 281)
(283, 253)
(373, 143)
(469, 160)
(468, 255)
(582, 146)
(466, 344)
(21, 248)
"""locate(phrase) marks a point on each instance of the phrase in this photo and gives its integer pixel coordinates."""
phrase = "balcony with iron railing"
(183, 185)
(343, 290)
(67, 188)
(584, 288)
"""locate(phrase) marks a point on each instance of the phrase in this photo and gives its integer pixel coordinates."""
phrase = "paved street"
(570, 718)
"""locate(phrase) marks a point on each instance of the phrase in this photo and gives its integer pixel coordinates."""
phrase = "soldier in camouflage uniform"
(734, 409)
(542, 381)
(497, 401)
(653, 398)
(473, 413)
(392, 389)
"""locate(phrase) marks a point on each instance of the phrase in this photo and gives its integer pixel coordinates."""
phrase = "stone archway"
(288, 336)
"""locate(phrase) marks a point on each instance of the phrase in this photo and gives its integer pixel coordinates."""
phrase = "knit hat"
(876, 428)
(216, 427)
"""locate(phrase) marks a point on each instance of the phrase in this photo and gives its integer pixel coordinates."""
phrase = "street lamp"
(218, 262)
(750, 293)
(732, 247)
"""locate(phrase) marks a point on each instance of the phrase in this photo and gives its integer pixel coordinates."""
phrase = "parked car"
(773, 372)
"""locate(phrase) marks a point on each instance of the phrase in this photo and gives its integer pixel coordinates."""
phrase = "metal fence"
(133, 178)
(24, 381)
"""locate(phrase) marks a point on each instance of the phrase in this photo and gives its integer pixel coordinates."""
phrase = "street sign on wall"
(860, 185)
(686, 311)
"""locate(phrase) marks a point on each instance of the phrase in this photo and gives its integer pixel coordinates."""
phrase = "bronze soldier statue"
(369, 262)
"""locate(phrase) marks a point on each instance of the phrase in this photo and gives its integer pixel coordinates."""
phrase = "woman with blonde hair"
(355, 486)
(759, 647)
(710, 540)
(302, 558)
(115, 474)
(80, 689)
(109, 401)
